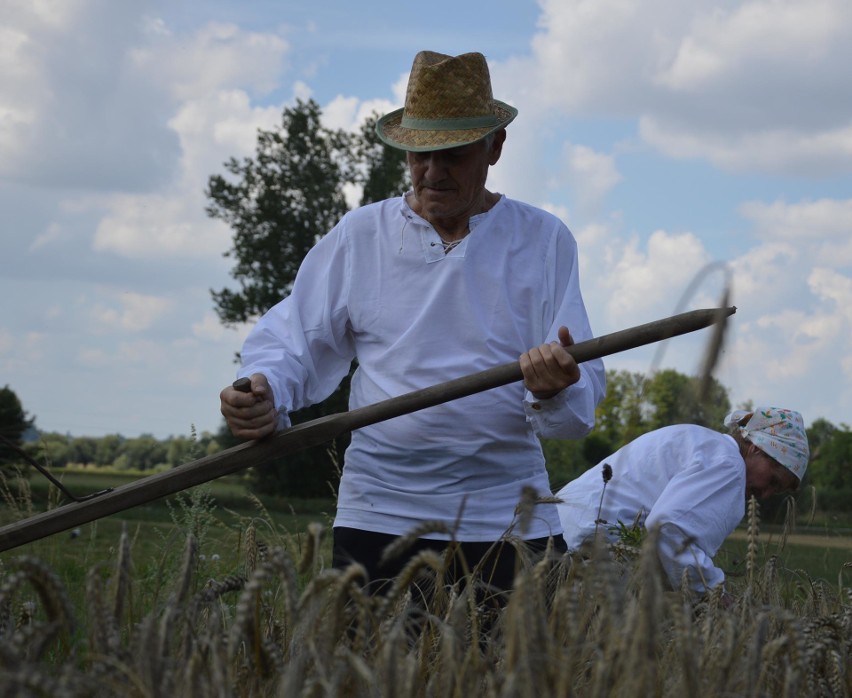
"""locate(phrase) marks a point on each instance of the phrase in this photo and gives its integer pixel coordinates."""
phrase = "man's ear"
(497, 146)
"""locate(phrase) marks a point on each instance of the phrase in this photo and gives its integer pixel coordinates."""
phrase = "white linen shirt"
(379, 288)
(685, 479)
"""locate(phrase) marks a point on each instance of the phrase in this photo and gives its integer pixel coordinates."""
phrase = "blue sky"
(667, 135)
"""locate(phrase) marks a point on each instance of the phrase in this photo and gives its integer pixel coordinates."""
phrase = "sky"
(687, 146)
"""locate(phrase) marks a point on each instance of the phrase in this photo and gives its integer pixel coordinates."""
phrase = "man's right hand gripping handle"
(248, 408)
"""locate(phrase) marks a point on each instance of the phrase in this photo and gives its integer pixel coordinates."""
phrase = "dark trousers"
(498, 559)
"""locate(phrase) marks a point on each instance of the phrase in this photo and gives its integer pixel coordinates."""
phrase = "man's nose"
(435, 163)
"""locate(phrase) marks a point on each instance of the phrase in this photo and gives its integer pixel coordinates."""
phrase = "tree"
(386, 172)
(142, 453)
(108, 449)
(820, 432)
(84, 450)
(619, 417)
(53, 449)
(279, 204)
(14, 422)
(831, 454)
(674, 399)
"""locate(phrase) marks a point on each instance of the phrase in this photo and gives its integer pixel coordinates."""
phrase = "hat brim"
(391, 131)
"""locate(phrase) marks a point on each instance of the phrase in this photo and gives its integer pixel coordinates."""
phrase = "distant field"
(160, 525)
(823, 555)
(816, 540)
(229, 492)
(159, 528)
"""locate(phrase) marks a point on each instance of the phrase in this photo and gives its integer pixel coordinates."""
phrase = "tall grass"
(281, 623)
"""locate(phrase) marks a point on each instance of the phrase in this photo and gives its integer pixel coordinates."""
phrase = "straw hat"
(448, 103)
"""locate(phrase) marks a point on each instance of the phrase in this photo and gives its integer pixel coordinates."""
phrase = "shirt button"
(535, 406)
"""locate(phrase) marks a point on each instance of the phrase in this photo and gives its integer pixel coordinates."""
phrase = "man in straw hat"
(691, 484)
(445, 280)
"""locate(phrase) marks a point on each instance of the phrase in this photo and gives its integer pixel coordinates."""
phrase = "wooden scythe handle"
(319, 431)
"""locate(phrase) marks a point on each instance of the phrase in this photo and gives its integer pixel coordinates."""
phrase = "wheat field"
(601, 624)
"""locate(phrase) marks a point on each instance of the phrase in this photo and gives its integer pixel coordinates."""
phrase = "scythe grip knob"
(242, 384)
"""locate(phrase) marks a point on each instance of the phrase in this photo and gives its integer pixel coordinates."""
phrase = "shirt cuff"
(568, 414)
(283, 419)
(532, 404)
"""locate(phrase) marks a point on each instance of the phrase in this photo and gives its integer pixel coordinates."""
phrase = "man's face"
(765, 476)
(450, 184)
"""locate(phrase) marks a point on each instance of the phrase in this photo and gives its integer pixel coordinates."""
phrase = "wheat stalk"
(753, 533)
(123, 576)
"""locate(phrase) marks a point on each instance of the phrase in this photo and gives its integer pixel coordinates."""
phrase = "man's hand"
(549, 369)
(250, 415)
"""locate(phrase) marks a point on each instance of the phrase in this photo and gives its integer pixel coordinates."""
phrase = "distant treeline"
(634, 404)
(141, 453)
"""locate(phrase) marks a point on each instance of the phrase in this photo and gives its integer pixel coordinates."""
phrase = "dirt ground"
(812, 539)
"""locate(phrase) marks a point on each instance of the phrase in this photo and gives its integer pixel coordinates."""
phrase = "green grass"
(218, 514)
(158, 530)
(825, 562)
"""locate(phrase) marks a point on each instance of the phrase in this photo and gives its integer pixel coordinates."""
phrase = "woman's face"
(765, 476)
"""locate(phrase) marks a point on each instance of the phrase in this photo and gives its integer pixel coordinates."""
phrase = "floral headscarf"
(779, 433)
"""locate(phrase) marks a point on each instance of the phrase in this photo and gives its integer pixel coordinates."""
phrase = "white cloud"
(130, 312)
(349, 113)
(782, 34)
(93, 357)
(126, 131)
(302, 91)
(20, 351)
(211, 329)
(52, 13)
(638, 280)
(215, 57)
(823, 227)
(143, 352)
(595, 54)
(591, 234)
(400, 87)
(211, 129)
(221, 125)
(127, 356)
(158, 226)
(807, 337)
(591, 175)
(830, 286)
(761, 85)
(78, 109)
(340, 112)
(52, 234)
(5, 340)
(767, 150)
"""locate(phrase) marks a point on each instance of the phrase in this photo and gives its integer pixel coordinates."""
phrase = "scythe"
(301, 436)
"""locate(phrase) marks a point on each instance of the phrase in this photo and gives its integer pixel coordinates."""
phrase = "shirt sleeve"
(696, 511)
(678, 554)
(302, 345)
(570, 414)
